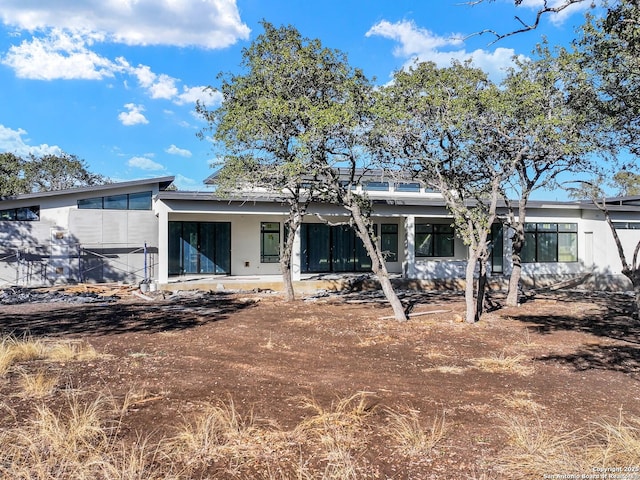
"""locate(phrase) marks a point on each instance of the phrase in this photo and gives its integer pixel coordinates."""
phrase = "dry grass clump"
(327, 444)
(38, 385)
(504, 364)
(410, 438)
(338, 432)
(535, 450)
(15, 350)
(520, 400)
(76, 442)
(70, 351)
(616, 444)
(227, 440)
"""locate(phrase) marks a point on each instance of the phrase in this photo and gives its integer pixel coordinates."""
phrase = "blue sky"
(115, 81)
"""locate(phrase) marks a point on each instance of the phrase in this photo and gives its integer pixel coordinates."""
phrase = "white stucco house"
(141, 230)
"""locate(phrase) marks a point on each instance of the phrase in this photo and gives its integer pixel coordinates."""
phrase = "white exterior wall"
(63, 230)
(245, 239)
(597, 251)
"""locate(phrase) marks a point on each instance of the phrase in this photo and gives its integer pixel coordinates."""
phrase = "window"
(627, 225)
(496, 254)
(90, 203)
(140, 201)
(408, 187)
(376, 186)
(389, 241)
(115, 202)
(269, 242)
(550, 242)
(131, 201)
(434, 240)
(23, 214)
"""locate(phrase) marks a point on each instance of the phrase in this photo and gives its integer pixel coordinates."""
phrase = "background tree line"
(44, 173)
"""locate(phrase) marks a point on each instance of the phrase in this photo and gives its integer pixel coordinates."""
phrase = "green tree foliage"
(444, 125)
(45, 173)
(543, 136)
(59, 172)
(607, 54)
(627, 183)
(12, 181)
(296, 113)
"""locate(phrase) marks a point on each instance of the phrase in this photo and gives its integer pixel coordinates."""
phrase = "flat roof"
(163, 183)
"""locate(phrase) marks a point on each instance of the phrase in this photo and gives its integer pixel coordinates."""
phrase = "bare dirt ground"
(560, 360)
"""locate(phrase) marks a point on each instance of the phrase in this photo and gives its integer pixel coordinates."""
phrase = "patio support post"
(163, 243)
(409, 265)
(296, 269)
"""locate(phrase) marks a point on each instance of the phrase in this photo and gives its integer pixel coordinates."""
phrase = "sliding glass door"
(199, 247)
(332, 249)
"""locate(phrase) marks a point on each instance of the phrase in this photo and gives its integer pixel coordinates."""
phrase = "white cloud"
(413, 40)
(202, 23)
(416, 43)
(173, 150)
(61, 55)
(12, 141)
(144, 163)
(157, 86)
(133, 116)
(205, 95)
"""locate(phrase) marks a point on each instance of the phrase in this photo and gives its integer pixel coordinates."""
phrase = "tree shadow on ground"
(617, 358)
(611, 318)
(96, 319)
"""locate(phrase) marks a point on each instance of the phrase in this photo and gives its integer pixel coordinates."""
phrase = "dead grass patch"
(71, 351)
(76, 442)
(520, 400)
(375, 340)
(15, 350)
(535, 449)
(408, 435)
(504, 364)
(38, 385)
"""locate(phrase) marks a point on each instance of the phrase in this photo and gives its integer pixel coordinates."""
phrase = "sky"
(115, 82)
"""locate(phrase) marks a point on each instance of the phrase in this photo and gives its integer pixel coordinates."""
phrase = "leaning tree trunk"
(517, 244)
(287, 253)
(377, 262)
(469, 297)
(516, 268)
(482, 288)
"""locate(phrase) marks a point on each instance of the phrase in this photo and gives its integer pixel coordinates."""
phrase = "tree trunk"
(482, 288)
(469, 296)
(517, 244)
(292, 226)
(377, 262)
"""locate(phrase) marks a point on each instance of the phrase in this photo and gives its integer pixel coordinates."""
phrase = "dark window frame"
(21, 214)
(408, 187)
(100, 203)
(546, 238)
(440, 233)
(269, 258)
(375, 186)
(390, 232)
